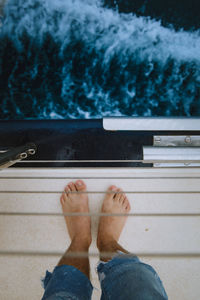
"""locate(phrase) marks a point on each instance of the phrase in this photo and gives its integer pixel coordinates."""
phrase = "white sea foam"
(101, 28)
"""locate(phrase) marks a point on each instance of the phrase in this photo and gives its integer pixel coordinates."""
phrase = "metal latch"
(173, 151)
(9, 157)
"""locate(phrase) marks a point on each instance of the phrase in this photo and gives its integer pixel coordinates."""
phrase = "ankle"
(107, 244)
(81, 242)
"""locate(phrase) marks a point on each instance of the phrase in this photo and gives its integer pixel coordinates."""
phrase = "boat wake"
(80, 59)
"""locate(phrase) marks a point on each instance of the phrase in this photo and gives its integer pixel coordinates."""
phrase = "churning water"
(94, 58)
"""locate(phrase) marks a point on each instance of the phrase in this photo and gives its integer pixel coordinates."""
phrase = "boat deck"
(163, 230)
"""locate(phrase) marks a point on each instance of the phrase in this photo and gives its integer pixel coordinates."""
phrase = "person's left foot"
(79, 227)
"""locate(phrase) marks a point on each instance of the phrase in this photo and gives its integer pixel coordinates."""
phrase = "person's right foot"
(110, 227)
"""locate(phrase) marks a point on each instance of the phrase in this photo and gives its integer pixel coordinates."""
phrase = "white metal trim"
(152, 124)
(171, 153)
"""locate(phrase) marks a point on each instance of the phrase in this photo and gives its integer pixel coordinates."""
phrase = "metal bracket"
(176, 141)
(173, 151)
(9, 157)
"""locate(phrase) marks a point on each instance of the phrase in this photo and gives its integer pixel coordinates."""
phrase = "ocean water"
(66, 59)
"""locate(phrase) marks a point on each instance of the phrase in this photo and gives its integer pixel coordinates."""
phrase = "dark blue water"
(93, 58)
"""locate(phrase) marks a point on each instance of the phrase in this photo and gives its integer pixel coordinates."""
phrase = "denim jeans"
(124, 277)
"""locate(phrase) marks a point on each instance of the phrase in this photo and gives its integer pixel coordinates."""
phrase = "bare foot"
(110, 227)
(79, 227)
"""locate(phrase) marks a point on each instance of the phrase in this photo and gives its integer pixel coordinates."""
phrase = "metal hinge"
(173, 151)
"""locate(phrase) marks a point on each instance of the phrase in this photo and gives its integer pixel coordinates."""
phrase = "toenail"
(113, 188)
(79, 183)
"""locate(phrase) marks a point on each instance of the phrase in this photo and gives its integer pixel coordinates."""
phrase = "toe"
(119, 194)
(67, 190)
(80, 185)
(68, 187)
(123, 199)
(65, 194)
(62, 201)
(111, 191)
(72, 186)
(112, 187)
(128, 206)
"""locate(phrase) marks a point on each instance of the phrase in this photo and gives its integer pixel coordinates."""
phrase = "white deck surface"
(160, 233)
